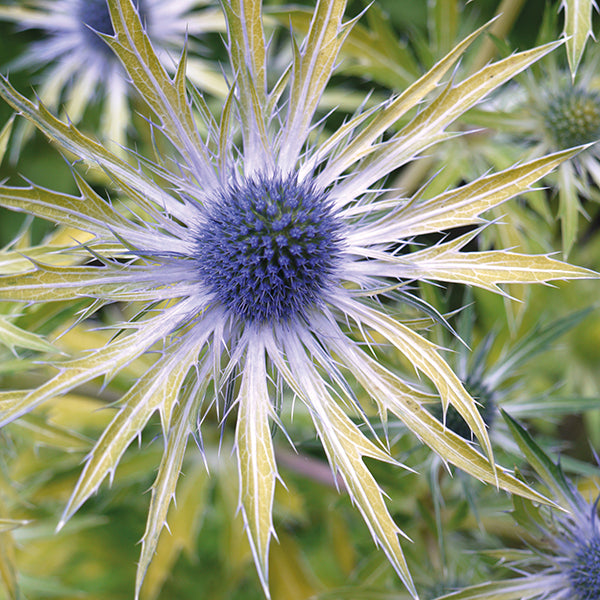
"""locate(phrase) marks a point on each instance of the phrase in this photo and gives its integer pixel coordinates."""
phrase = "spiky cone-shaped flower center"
(94, 17)
(268, 247)
(572, 118)
(584, 571)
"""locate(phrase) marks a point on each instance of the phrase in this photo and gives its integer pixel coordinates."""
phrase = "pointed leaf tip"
(577, 29)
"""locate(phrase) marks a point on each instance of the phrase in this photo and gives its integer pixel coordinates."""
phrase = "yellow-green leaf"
(82, 146)
(4, 136)
(423, 355)
(88, 212)
(167, 98)
(158, 389)
(184, 523)
(44, 433)
(443, 23)
(163, 491)
(381, 385)
(13, 336)
(428, 126)
(346, 446)
(256, 459)
(8, 566)
(290, 578)
(312, 70)
(569, 207)
(578, 27)
(457, 207)
(109, 359)
(389, 112)
(444, 262)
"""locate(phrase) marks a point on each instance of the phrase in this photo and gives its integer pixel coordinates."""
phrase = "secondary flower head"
(568, 558)
(551, 110)
(257, 267)
(79, 67)
(562, 560)
(564, 113)
(581, 556)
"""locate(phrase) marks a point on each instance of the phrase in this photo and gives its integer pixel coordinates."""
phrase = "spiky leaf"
(578, 27)
(256, 458)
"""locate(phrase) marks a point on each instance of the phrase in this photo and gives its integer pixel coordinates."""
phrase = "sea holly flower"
(562, 558)
(257, 266)
(79, 68)
(557, 112)
(549, 108)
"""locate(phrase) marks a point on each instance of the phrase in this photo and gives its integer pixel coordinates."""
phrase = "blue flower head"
(78, 69)
(579, 546)
(562, 558)
(268, 247)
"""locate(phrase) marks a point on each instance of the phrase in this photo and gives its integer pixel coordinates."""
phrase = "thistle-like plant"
(549, 108)
(256, 257)
(552, 110)
(562, 560)
(78, 68)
